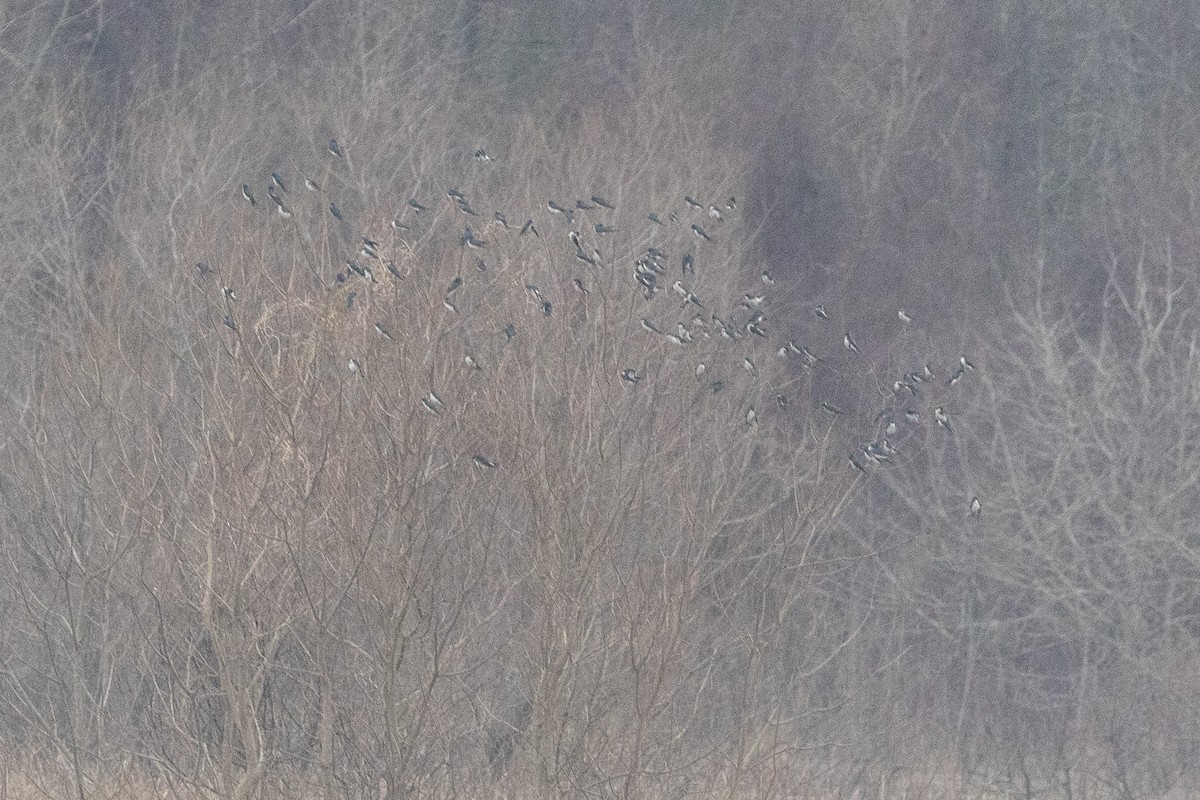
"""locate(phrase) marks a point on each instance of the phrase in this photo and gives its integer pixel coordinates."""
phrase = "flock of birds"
(653, 273)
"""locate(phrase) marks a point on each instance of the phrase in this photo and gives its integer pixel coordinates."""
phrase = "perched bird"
(229, 293)
(471, 362)
(831, 408)
(284, 212)
(534, 293)
(547, 309)
(912, 416)
(600, 201)
(679, 289)
(648, 326)
(557, 209)
(821, 312)
(781, 400)
(481, 155)
(848, 342)
(472, 241)
(715, 213)
(754, 329)
(630, 376)
(976, 507)
(415, 205)
(335, 211)
(483, 462)
(717, 386)
(311, 185)
(335, 148)
(691, 201)
(247, 194)
(430, 406)
(498, 218)
(857, 465)
(278, 181)
(751, 417)
(767, 279)
(353, 366)
(700, 368)
(453, 309)
(382, 331)
(942, 418)
(748, 365)
(699, 231)
(900, 386)
(528, 228)
(904, 316)
(454, 194)
(584, 206)
(202, 271)
(689, 264)
(579, 285)
(481, 265)
(602, 229)
(731, 203)
(350, 300)
(454, 286)
(398, 226)
(965, 364)
(956, 376)
(654, 218)
(510, 331)
(229, 323)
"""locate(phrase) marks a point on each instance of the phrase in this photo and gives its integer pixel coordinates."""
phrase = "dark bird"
(602, 229)
(696, 229)
(648, 326)
(831, 408)
(350, 300)
(781, 400)
(398, 226)
(472, 241)
(415, 205)
(499, 219)
(430, 406)
(528, 228)
(435, 401)
(821, 312)
(956, 376)
(483, 462)
(534, 293)
(510, 331)
(229, 323)
(717, 386)
(547, 309)
(246, 194)
(748, 365)
(481, 155)
(731, 203)
(691, 201)
(335, 211)
(600, 201)
(278, 181)
(579, 285)
(229, 293)
(584, 206)
(202, 271)
(557, 209)
(689, 264)
(857, 465)
(454, 286)
(335, 148)
(654, 218)
(630, 376)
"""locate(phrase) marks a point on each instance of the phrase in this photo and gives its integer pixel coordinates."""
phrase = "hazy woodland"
(275, 525)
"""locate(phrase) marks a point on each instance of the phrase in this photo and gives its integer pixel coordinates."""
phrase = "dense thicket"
(332, 496)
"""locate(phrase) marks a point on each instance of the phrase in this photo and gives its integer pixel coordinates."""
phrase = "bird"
(547, 308)
(831, 408)
(430, 406)
(350, 300)
(449, 306)
(579, 285)
(754, 329)
(278, 181)
(454, 286)
(335, 148)
(648, 326)
(717, 386)
(481, 155)
(699, 231)
(229, 323)
(583, 205)
(715, 213)
(510, 332)
(415, 205)
(976, 507)
(284, 212)
(534, 293)
(942, 418)
(247, 194)
(454, 194)
(230, 295)
(498, 218)
(848, 342)
(335, 211)
(857, 465)
(748, 365)
(472, 241)
(202, 271)
(912, 416)
(600, 201)
(311, 185)
(483, 462)
(751, 417)
(700, 368)
(689, 264)
(602, 229)
(904, 316)
(630, 376)
(956, 376)
(528, 228)
(471, 362)
(397, 225)
(654, 218)
(821, 312)
(353, 366)
(966, 364)
(557, 209)
(434, 401)
(767, 279)
(731, 203)
(382, 331)
(781, 400)
(691, 201)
